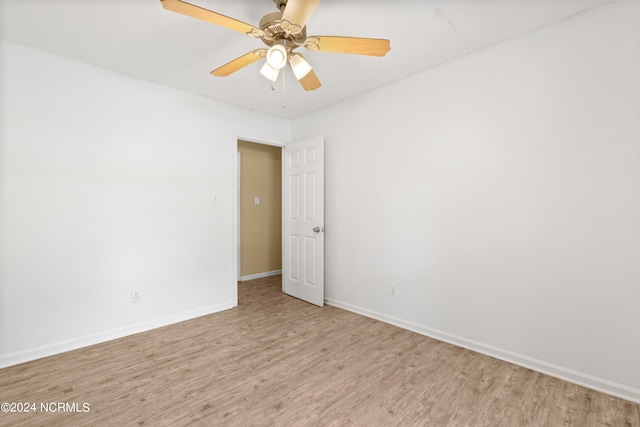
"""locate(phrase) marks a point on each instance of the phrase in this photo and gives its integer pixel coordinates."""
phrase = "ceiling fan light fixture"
(277, 56)
(299, 66)
(269, 72)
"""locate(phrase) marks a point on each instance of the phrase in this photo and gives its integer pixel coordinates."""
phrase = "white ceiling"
(142, 39)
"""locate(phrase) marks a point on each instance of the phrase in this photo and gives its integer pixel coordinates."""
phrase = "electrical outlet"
(135, 296)
(392, 291)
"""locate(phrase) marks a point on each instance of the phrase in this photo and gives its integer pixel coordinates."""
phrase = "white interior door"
(303, 220)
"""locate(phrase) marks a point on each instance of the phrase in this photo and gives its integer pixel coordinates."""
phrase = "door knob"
(316, 230)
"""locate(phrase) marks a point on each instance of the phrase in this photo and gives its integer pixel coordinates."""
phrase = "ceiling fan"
(282, 32)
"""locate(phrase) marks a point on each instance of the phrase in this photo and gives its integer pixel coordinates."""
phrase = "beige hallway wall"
(260, 225)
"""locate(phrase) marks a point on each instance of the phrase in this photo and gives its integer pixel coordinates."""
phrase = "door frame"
(235, 203)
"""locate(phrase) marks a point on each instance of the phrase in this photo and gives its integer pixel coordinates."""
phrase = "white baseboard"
(605, 386)
(11, 359)
(260, 275)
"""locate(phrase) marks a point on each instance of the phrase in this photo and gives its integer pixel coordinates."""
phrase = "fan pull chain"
(284, 103)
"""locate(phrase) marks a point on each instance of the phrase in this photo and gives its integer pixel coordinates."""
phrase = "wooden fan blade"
(194, 11)
(296, 14)
(310, 81)
(238, 63)
(355, 45)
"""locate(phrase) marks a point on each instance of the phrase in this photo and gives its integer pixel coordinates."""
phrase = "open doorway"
(259, 210)
(302, 251)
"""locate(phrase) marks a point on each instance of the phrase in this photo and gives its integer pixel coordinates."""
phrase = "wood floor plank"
(277, 361)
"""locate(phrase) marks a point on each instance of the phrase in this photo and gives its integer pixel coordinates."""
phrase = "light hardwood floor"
(275, 360)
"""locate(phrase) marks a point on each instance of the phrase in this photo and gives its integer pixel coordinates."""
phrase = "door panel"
(303, 224)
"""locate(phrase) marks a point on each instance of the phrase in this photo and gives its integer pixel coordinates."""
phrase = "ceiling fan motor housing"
(275, 34)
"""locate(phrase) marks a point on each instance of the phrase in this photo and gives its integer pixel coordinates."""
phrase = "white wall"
(500, 193)
(105, 187)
